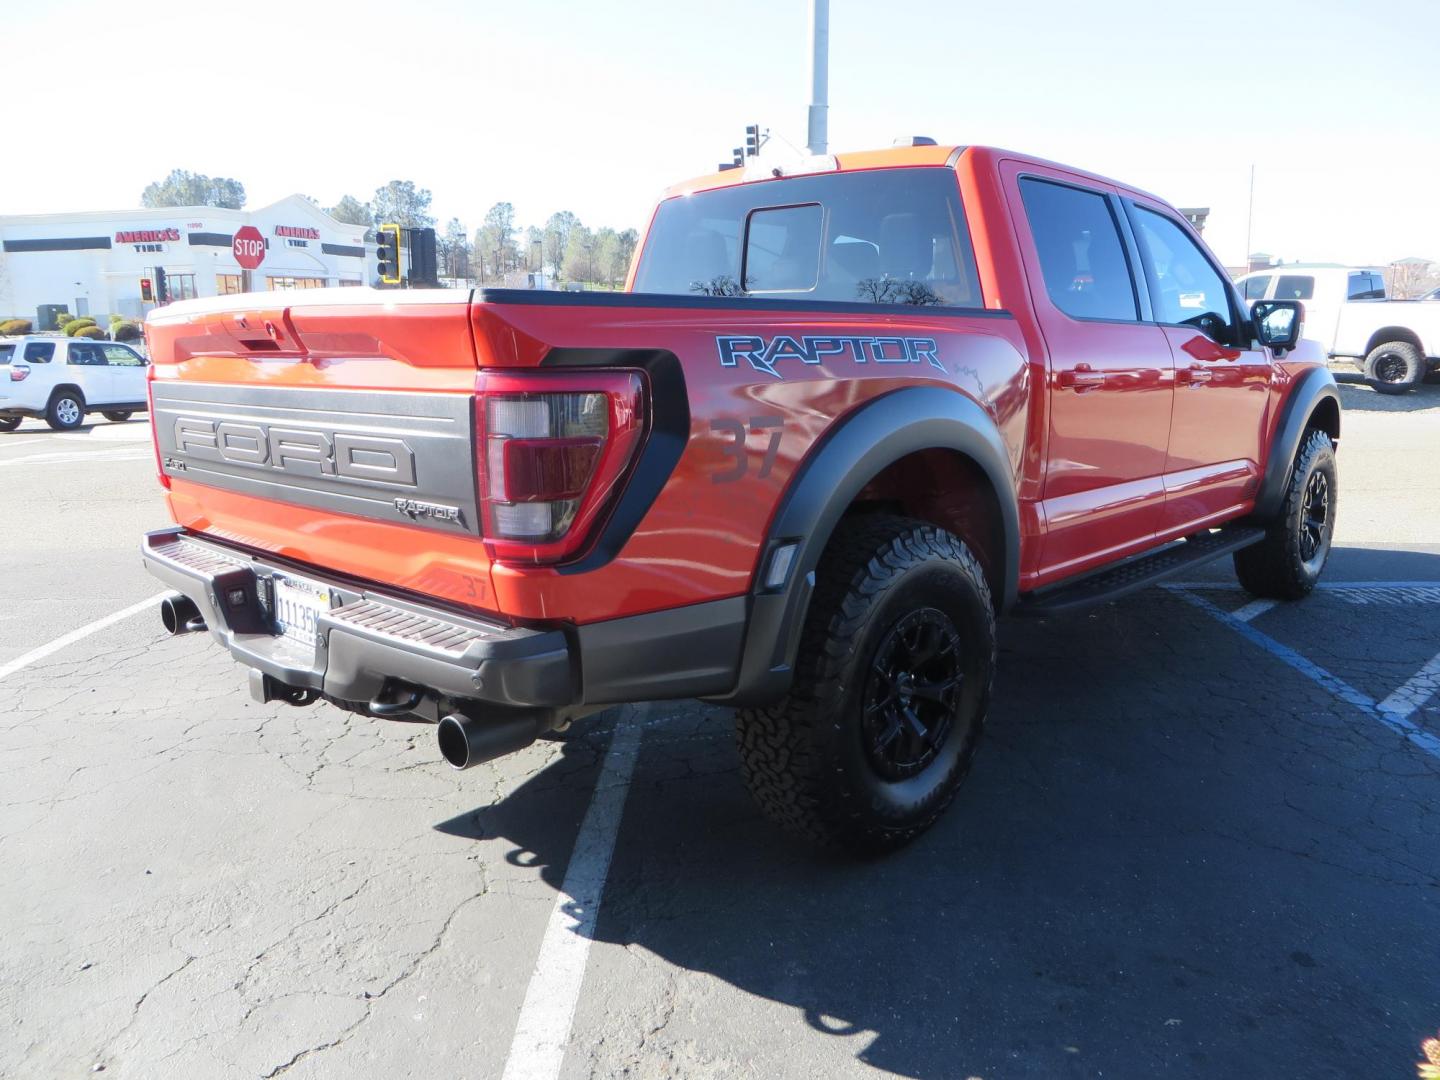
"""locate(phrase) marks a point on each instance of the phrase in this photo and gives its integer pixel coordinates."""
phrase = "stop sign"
(248, 246)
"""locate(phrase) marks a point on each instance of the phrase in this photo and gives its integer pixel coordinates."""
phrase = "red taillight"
(554, 449)
(19, 374)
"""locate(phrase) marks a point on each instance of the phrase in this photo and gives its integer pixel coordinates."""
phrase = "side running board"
(1137, 573)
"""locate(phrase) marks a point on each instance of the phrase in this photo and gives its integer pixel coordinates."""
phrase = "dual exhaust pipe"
(465, 741)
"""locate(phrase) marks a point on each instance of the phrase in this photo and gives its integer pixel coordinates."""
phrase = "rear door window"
(1081, 254)
(1295, 287)
(7, 351)
(40, 352)
(889, 236)
(85, 354)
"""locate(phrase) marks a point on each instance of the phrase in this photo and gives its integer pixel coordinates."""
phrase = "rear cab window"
(39, 352)
(884, 236)
(7, 352)
(1366, 287)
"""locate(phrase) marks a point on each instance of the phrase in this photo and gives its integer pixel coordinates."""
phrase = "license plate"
(298, 604)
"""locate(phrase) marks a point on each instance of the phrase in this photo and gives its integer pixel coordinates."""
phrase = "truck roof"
(890, 157)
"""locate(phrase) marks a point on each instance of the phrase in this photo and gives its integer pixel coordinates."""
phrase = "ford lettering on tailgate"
(402, 457)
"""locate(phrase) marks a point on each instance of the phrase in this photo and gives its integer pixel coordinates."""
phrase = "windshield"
(886, 236)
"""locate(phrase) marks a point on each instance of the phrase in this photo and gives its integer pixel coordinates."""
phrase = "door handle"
(1196, 373)
(1082, 377)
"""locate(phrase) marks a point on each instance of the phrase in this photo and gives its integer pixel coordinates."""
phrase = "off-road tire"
(117, 416)
(1394, 367)
(809, 758)
(66, 410)
(1277, 567)
(9, 423)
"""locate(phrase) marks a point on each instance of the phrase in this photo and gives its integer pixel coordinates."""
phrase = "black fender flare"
(852, 453)
(1311, 390)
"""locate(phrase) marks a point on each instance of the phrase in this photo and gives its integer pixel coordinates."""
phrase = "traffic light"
(738, 156)
(752, 140)
(387, 253)
(423, 268)
(162, 288)
(147, 294)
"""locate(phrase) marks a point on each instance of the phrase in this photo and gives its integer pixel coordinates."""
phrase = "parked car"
(800, 466)
(1348, 314)
(60, 379)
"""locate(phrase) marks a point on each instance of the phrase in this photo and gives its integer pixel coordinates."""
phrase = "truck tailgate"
(335, 429)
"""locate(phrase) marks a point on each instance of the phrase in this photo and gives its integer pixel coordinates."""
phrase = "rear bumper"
(367, 642)
(370, 641)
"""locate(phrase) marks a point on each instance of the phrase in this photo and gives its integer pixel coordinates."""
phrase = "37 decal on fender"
(763, 354)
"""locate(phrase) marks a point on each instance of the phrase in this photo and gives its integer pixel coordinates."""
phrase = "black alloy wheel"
(911, 695)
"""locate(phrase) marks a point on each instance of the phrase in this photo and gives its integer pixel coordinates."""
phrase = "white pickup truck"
(1347, 312)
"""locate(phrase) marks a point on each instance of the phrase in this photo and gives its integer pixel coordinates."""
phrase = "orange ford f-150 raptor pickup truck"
(843, 416)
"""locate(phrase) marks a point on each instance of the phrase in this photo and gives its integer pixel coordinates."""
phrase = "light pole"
(819, 75)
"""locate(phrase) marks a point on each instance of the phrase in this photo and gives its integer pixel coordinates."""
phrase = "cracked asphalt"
(1178, 854)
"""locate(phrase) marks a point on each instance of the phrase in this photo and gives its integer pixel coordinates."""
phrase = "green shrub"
(73, 325)
(125, 331)
(116, 318)
(15, 326)
(88, 332)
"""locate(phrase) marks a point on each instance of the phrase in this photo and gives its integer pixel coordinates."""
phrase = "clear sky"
(595, 107)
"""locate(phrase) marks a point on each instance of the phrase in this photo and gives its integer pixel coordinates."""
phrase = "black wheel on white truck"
(1393, 367)
(118, 416)
(9, 423)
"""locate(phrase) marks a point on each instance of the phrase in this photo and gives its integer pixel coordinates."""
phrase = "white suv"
(60, 378)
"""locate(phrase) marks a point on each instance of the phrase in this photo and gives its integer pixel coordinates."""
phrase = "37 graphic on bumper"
(764, 353)
(394, 456)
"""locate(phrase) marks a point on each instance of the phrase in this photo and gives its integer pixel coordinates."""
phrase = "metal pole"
(819, 74)
(1250, 219)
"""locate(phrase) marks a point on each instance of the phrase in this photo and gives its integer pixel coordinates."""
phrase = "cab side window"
(1185, 287)
(1081, 254)
(39, 352)
(1255, 287)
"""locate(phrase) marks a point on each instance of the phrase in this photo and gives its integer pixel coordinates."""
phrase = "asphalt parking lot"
(1203, 839)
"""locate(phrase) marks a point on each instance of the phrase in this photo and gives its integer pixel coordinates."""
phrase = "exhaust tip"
(454, 746)
(468, 740)
(180, 615)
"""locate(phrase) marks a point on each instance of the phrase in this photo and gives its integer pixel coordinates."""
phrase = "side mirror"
(1278, 323)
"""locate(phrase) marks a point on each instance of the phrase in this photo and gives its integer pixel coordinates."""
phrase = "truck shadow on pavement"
(1175, 856)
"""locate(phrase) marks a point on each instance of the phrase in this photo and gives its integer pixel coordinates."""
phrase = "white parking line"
(60, 457)
(24, 660)
(538, 1049)
(1253, 609)
(1397, 718)
(1416, 691)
